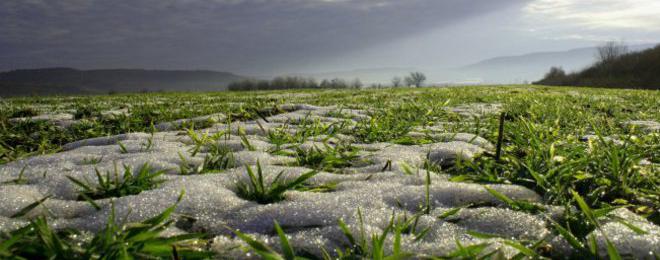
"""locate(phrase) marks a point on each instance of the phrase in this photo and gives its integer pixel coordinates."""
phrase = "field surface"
(469, 172)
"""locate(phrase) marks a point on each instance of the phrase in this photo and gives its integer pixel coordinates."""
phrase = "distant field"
(406, 172)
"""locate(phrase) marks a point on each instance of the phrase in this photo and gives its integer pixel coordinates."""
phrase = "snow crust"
(309, 218)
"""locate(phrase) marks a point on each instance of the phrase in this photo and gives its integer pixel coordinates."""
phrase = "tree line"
(415, 79)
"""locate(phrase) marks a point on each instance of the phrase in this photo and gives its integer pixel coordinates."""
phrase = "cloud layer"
(597, 20)
(266, 37)
(250, 36)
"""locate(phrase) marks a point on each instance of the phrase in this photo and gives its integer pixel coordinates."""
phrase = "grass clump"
(255, 189)
(266, 252)
(87, 112)
(113, 185)
(24, 112)
(577, 228)
(39, 240)
(219, 157)
(409, 226)
(328, 158)
(359, 246)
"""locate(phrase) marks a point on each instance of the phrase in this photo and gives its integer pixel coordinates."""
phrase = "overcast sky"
(269, 37)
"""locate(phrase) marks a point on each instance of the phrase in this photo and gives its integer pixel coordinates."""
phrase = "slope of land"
(72, 81)
(532, 66)
(632, 70)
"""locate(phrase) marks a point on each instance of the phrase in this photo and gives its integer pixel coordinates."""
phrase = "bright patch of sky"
(594, 20)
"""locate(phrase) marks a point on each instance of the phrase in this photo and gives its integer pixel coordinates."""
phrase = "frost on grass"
(380, 180)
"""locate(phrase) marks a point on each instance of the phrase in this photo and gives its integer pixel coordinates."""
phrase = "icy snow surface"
(380, 184)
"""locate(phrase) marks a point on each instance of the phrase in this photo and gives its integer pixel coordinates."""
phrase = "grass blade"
(288, 251)
(30, 207)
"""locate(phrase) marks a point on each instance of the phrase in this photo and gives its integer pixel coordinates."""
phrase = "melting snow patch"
(378, 184)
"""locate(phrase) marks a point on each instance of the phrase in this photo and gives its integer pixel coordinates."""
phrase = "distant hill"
(531, 66)
(633, 70)
(71, 81)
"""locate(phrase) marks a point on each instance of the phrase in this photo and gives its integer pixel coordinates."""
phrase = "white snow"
(310, 219)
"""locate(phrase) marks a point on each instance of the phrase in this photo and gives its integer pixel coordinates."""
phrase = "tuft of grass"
(219, 157)
(258, 191)
(408, 226)
(112, 185)
(361, 248)
(24, 112)
(578, 226)
(328, 158)
(264, 251)
(144, 240)
(86, 112)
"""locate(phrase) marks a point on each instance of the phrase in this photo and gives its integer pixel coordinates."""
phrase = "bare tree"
(610, 51)
(396, 82)
(415, 79)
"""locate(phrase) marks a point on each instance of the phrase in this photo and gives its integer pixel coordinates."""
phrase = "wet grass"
(259, 190)
(540, 146)
(116, 240)
(114, 184)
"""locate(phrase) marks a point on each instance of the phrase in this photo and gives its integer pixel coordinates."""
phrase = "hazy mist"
(264, 38)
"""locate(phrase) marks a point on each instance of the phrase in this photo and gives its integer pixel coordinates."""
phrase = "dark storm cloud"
(248, 36)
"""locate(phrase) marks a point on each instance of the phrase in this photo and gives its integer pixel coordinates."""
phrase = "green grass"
(110, 185)
(265, 252)
(327, 157)
(38, 240)
(541, 146)
(257, 190)
(219, 157)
